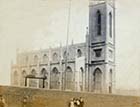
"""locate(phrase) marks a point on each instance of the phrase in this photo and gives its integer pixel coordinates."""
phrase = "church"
(82, 67)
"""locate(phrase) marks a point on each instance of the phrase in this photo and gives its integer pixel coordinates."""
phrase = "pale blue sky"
(35, 24)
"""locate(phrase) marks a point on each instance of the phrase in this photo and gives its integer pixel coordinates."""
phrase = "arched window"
(97, 80)
(45, 58)
(23, 75)
(64, 55)
(55, 75)
(98, 22)
(55, 57)
(79, 53)
(35, 59)
(15, 78)
(68, 79)
(33, 72)
(110, 75)
(43, 73)
(81, 78)
(110, 80)
(110, 24)
(33, 82)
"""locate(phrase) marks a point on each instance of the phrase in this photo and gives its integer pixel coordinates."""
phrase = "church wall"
(110, 56)
(108, 81)
(26, 62)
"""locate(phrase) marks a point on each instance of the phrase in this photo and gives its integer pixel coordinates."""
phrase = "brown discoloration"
(46, 98)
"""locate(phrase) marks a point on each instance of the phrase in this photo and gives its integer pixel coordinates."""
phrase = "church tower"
(101, 47)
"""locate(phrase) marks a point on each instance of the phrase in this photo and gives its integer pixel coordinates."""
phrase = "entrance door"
(97, 80)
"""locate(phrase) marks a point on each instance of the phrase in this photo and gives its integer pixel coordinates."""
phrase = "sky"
(39, 24)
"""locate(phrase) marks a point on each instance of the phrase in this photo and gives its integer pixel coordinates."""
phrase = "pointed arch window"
(98, 22)
(32, 82)
(15, 78)
(110, 80)
(81, 78)
(110, 24)
(79, 53)
(55, 57)
(43, 73)
(69, 78)
(97, 79)
(45, 58)
(33, 72)
(23, 75)
(65, 55)
(54, 79)
(35, 59)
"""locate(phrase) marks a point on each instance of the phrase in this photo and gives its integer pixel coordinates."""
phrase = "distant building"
(90, 66)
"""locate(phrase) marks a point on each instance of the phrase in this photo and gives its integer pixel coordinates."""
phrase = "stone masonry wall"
(14, 97)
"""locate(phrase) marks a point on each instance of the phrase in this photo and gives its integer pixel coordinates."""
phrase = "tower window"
(98, 52)
(110, 24)
(98, 22)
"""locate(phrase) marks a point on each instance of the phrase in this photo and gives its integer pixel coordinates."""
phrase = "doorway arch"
(69, 78)
(54, 79)
(97, 80)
